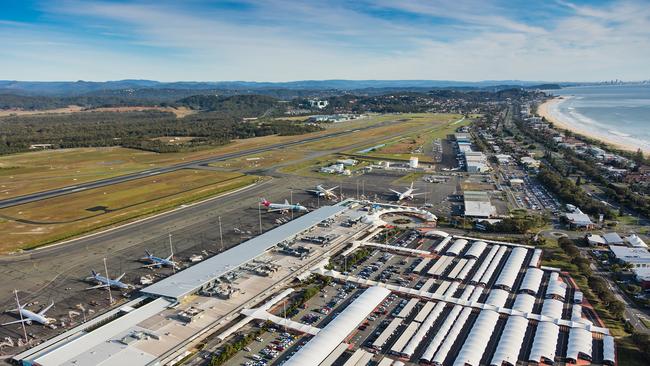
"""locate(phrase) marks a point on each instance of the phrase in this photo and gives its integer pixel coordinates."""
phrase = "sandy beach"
(548, 110)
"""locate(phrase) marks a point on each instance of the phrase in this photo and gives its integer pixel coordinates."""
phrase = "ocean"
(615, 112)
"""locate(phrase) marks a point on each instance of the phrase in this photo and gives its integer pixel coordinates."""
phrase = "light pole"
(171, 251)
(221, 233)
(259, 214)
(357, 190)
(108, 283)
(22, 321)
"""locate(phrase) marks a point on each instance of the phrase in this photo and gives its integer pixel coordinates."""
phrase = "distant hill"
(156, 89)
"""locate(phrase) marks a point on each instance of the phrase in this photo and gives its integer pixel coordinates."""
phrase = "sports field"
(33, 224)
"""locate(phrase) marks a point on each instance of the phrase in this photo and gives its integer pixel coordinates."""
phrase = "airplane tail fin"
(147, 253)
(265, 202)
(286, 202)
(94, 273)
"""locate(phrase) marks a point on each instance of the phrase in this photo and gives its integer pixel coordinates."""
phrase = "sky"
(285, 40)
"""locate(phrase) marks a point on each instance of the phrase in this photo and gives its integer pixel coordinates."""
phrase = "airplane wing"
(103, 285)
(169, 258)
(119, 278)
(333, 188)
(276, 209)
(42, 312)
(416, 194)
(394, 191)
(151, 265)
(15, 322)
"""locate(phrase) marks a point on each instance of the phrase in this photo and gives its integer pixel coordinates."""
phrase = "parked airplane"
(29, 317)
(159, 262)
(321, 191)
(284, 207)
(406, 195)
(104, 282)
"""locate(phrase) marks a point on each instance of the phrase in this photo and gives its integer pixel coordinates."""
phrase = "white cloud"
(282, 40)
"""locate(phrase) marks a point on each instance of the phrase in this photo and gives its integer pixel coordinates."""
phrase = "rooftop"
(630, 254)
(191, 279)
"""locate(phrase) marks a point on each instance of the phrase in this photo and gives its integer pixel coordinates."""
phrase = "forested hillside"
(221, 119)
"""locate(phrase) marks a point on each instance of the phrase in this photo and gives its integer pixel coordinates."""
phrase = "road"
(14, 201)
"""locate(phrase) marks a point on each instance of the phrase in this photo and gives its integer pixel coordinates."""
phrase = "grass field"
(263, 160)
(33, 224)
(420, 144)
(37, 171)
(427, 125)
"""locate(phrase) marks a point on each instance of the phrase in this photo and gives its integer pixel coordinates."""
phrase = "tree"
(617, 309)
(638, 157)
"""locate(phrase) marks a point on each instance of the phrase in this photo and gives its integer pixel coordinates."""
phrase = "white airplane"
(321, 191)
(29, 317)
(159, 262)
(104, 282)
(284, 207)
(406, 195)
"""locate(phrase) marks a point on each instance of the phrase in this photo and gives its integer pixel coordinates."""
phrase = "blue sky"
(280, 40)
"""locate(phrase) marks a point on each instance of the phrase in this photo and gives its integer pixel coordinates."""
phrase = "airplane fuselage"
(283, 207)
(406, 195)
(30, 316)
(112, 283)
(161, 261)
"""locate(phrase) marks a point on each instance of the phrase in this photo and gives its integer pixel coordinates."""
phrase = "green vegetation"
(43, 222)
(357, 256)
(230, 349)
(569, 192)
(141, 129)
(518, 224)
(633, 348)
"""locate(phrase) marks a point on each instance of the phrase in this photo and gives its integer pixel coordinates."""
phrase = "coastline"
(619, 142)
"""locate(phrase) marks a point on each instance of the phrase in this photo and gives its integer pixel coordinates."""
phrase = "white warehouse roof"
(319, 347)
(524, 303)
(552, 308)
(476, 249)
(457, 247)
(545, 342)
(579, 344)
(511, 269)
(534, 260)
(532, 280)
(510, 341)
(497, 297)
(193, 278)
(475, 344)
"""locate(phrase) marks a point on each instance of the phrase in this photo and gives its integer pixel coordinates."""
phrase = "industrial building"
(478, 205)
(637, 257)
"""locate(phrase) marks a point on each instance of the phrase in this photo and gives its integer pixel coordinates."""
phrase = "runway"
(14, 201)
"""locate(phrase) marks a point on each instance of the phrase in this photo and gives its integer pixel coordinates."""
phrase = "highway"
(14, 201)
